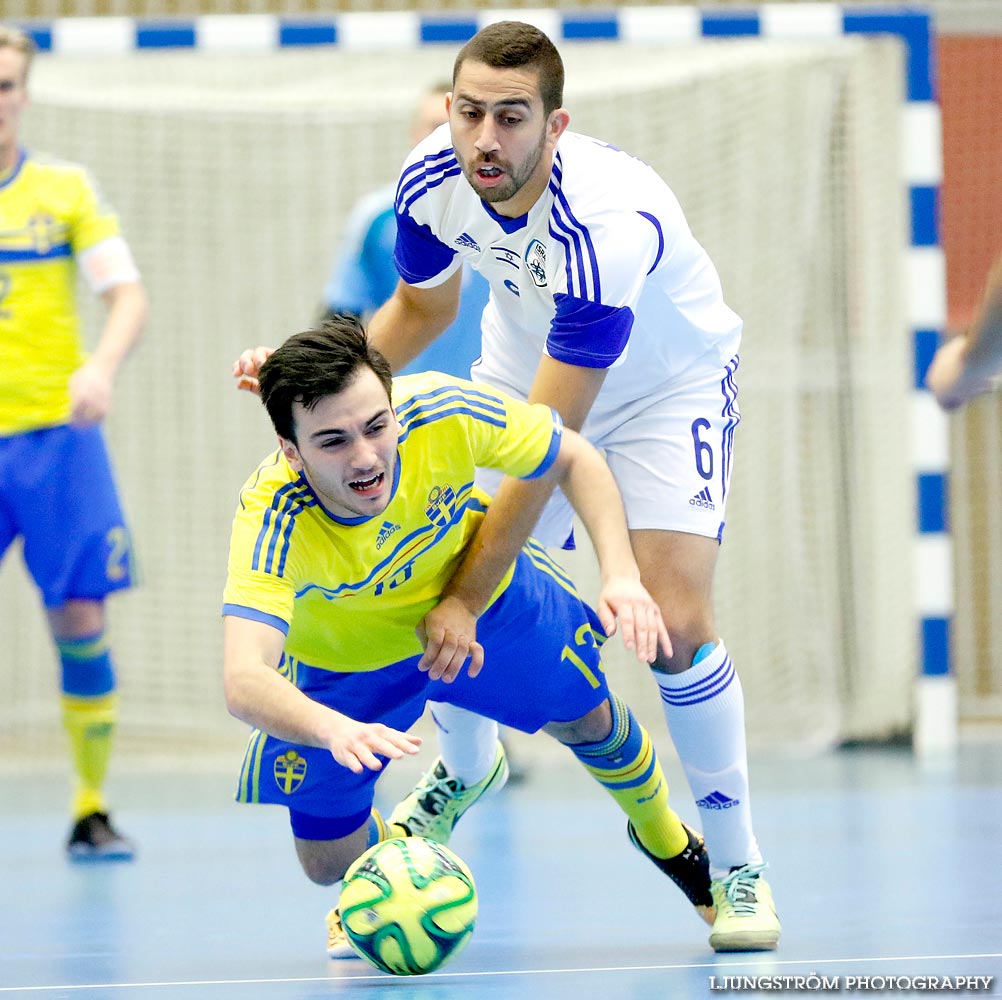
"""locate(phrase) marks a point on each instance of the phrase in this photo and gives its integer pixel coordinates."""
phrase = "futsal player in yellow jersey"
(339, 623)
(56, 486)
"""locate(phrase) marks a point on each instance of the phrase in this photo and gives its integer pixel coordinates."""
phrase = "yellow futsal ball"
(408, 905)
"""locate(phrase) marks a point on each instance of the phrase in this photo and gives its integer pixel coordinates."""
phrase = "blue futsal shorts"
(541, 664)
(58, 493)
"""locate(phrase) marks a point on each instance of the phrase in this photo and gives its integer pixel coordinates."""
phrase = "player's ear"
(291, 453)
(556, 124)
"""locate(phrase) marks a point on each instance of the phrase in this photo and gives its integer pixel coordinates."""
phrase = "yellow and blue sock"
(89, 708)
(626, 764)
(379, 829)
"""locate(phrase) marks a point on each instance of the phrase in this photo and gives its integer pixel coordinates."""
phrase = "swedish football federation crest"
(535, 261)
(441, 509)
(290, 771)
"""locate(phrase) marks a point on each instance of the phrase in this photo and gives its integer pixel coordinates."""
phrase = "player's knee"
(76, 619)
(323, 865)
(688, 635)
(323, 871)
(590, 728)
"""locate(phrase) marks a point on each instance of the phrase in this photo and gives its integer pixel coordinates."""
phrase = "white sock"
(467, 742)
(705, 711)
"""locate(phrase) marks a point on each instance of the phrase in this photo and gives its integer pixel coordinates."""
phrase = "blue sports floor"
(882, 867)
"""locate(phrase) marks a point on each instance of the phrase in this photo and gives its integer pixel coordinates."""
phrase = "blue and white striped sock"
(704, 708)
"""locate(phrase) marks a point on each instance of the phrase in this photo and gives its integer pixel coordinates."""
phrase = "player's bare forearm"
(128, 312)
(984, 355)
(260, 696)
(569, 389)
(505, 528)
(968, 364)
(412, 318)
(91, 385)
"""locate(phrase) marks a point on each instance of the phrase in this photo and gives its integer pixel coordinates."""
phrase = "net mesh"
(233, 177)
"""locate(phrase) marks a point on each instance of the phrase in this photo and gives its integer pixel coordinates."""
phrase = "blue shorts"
(58, 493)
(541, 664)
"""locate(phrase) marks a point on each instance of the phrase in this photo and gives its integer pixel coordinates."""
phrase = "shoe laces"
(739, 888)
(438, 794)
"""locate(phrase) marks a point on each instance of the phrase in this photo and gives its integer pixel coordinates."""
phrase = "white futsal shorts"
(671, 457)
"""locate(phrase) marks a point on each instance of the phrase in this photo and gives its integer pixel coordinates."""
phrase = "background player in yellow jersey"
(340, 624)
(56, 487)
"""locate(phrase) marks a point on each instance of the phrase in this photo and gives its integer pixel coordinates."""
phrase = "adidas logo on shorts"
(703, 499)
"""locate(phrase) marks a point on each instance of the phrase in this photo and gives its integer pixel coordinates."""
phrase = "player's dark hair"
(317, 363)
(511, 45)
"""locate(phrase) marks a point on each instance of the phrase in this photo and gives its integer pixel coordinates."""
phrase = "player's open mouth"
(489, 172)
(367, 485)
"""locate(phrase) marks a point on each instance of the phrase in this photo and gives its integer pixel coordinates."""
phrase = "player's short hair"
(20, 41)
(317, 363)
(514, 44)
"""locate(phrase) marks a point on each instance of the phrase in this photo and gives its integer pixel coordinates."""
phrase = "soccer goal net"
(233, 176)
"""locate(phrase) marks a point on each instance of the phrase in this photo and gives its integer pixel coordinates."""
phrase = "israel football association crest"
(535, 261)
(290, 771)
(441, 509)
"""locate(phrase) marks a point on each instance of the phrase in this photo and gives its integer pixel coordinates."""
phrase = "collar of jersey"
(507, 224)
(357, 520)
(22, 155)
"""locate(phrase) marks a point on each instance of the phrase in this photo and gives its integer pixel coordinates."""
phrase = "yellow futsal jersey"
(349, 593)
(49, 213)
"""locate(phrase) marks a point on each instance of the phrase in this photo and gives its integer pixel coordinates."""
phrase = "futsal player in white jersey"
(604, 306)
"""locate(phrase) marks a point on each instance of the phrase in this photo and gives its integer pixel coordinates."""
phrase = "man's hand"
(90, 394)
(355, 744)
(627, 600)
(449, 636)
(247, 367)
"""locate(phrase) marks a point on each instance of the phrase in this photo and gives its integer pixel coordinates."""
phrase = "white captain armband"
(107, 264)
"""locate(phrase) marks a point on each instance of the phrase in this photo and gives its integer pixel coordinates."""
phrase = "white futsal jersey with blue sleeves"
(602, 272)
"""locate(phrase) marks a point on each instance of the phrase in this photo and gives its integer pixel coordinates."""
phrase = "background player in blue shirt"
(344, 544)
(364, 274)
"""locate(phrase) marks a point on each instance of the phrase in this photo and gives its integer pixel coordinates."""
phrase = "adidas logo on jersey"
(717, 800)
(703, 499)
(386, 529)
(466, 240)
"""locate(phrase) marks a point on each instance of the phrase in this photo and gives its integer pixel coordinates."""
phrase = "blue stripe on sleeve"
(551, 452)
(419, 255)
(423, 401)
(653, 220)
(588, 334)
(252, 614)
